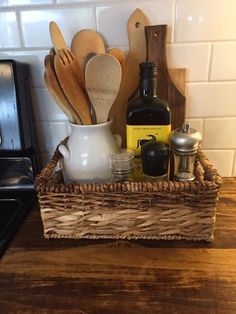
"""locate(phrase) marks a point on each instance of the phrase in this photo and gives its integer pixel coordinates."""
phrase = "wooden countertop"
(83, 276)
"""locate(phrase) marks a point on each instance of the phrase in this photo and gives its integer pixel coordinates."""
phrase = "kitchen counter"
(85, 276)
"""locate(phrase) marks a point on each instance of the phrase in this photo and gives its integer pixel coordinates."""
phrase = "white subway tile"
(50, 135)
(9, 35)
(23, 2)
(45, 158)
(223, 66)
(219, 133)
(211, 99)
(159, 12)
(222, 160)
(113, 17)
(35, 24)
(112, 22)
(45, 109)
(234, 165)
(35, 60)
(196, 124)
(205, 20)
(193, 57)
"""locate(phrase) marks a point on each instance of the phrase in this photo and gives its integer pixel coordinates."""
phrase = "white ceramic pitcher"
(86, 153)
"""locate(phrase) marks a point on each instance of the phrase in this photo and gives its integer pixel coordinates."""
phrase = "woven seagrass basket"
(129, 210)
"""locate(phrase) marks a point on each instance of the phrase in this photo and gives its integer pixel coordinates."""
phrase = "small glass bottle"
(148, 116)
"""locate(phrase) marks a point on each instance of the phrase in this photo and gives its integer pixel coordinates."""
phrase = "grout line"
(202, 41)
(20, 29)
(220, 149)
(203, 132)
(209, 63)
(211, 82)
(95, 12)
(10, 50)
(234, 164)
(213, 117)
(46, 6)
(174, 12)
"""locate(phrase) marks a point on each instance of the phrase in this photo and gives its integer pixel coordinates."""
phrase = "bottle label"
(137, 135)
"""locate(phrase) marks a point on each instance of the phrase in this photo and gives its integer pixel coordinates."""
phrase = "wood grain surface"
(85, 276)
(167, 88)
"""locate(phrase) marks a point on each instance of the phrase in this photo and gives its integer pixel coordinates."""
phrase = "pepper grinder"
(184, 142)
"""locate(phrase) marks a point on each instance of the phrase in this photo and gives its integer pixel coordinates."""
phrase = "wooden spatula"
(56, 36)
(130, 78)
(102, 79)
(56, 92)
(119, 55)
(85, 43)
(66, 68)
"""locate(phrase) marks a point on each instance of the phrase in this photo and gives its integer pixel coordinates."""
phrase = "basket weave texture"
(129, 210)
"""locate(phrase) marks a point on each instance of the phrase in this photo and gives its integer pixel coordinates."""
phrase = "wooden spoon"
(119, 55)
(56, 37)
(130, 78)
(102, 79)
(56, 92)
(66, 67)
(85, 43)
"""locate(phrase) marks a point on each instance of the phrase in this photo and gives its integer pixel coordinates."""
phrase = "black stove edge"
(27, 199)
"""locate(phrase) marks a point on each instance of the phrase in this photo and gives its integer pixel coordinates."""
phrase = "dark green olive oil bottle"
(148, 117)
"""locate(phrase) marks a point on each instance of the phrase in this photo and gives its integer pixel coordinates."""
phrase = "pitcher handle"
(64, 151)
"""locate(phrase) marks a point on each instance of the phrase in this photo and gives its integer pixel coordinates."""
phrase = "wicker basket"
(129, 210)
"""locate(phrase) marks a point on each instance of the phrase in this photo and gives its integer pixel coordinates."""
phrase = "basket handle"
(45, 174)
(210, 173)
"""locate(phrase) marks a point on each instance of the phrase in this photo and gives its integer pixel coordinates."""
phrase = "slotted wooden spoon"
(102, 79)
(56, 92)
(66, 68)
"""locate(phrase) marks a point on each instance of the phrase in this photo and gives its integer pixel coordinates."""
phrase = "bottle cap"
(148, 69)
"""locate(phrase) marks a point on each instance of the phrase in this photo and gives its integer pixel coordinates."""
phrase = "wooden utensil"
(56, 92)
(130, 77)
(102, 79)
(66, 68)
(119, 55)
(156, 52)
(85, 43)
(56, 36)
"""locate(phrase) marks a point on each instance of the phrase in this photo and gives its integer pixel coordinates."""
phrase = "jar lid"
(185, 140)
(154, 148)
(155, 156)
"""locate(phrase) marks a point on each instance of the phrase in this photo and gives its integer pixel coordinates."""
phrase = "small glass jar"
(122, 165)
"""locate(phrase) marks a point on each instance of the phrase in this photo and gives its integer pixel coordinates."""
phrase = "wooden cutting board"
(130, 75)
(170, 84)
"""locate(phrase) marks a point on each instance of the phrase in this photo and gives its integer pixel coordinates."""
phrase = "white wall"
(201, 37)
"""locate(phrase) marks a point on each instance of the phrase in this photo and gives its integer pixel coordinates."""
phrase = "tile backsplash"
(201, 37)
